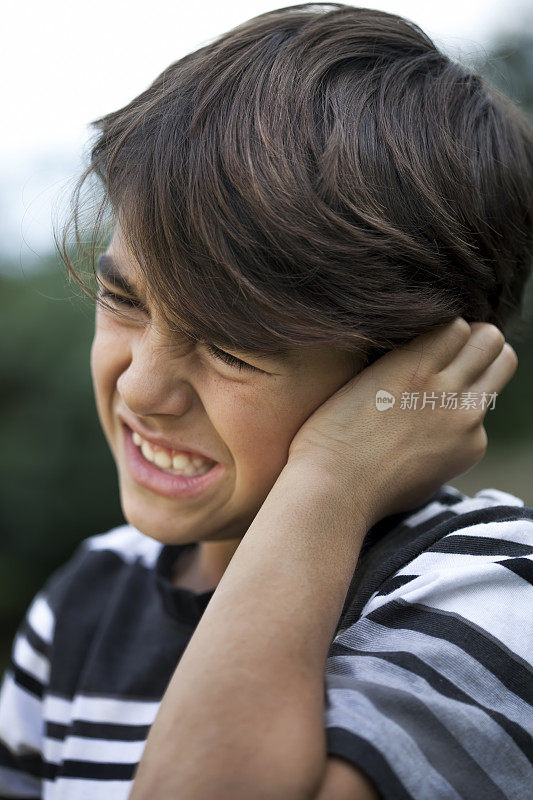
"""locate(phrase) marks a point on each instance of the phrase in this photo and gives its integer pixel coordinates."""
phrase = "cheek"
(100, 361)
(108, 348)
(106, 357)
(258, 428)
(95, 358)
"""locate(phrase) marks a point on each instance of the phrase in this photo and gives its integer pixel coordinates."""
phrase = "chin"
(157, 523)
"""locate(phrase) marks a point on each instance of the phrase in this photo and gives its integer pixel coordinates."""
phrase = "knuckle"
(511, 354)
(461, 326)
(473, 417)
(480, 442)
(493, 335)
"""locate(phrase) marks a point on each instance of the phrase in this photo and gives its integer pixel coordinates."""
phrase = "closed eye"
(118, 299)
(229, 359)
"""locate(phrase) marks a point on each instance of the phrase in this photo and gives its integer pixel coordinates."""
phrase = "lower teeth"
(195, 475)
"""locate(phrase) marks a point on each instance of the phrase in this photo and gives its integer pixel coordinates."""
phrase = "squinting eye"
(229, 359)
(118, 300)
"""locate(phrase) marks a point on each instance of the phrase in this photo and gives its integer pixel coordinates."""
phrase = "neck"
(203, 566)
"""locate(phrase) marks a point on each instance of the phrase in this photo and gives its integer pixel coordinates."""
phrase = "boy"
(306, 212)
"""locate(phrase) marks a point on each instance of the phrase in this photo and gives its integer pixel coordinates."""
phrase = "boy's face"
(180, 392)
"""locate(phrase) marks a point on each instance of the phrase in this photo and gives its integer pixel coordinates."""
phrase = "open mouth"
(174, 463)
(151, 467)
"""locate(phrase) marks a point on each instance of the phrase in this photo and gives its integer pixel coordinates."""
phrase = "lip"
(158, 441)
(155, 479)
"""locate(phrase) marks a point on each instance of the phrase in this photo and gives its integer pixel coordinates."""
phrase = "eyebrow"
(107, 267)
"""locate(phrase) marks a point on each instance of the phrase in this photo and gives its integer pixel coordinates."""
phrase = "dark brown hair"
(321, 174)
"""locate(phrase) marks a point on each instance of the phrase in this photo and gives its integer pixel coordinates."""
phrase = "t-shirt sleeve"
(430, 691)
(23, 690)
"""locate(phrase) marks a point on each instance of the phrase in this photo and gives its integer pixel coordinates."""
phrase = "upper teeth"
(162, 458)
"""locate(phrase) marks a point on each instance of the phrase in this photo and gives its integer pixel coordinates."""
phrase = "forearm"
(244, 708)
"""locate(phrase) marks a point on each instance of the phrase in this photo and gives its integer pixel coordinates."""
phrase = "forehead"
(118, 265)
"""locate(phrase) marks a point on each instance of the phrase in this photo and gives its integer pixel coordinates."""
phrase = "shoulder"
(472, 557)
(69, 605)
(91, 568)
(452, 532)
(125, 542)
(451, 511)
(428, 686)
(472, 583)
(460, 566)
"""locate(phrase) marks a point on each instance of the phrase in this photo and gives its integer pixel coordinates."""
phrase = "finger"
(499, 373)
(479, 352)
(439, 346)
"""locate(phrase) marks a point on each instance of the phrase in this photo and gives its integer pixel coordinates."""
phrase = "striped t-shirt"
(428, 681)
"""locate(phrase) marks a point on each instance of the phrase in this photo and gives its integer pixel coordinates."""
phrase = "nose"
(155, 380)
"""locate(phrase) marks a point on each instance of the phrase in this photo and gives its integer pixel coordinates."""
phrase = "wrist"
(350, 494)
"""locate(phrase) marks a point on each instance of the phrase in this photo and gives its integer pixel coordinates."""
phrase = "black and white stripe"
(429, 690)
(428, 680)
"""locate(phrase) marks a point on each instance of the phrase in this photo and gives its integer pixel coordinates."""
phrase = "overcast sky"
(65, 63)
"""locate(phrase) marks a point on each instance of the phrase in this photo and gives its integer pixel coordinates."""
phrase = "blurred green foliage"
(58, 481)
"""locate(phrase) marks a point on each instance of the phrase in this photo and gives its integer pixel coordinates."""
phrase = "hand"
(393, 460)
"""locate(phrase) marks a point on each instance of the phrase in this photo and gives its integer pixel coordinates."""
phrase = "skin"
(244, 419)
